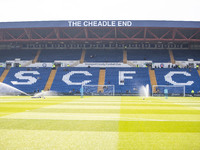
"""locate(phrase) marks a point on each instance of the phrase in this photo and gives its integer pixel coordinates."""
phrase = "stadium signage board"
(100, 23)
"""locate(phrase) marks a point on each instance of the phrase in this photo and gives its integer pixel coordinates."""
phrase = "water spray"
(6, 89)
(144, 91)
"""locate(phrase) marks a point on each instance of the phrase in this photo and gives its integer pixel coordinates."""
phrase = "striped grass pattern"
(99, 123)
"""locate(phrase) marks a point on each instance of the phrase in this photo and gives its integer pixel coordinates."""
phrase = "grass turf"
(99, 123)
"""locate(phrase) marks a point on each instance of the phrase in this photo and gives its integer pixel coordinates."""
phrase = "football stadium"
(100, 85)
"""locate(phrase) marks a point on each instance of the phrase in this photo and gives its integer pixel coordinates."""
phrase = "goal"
(92, 90)
(173, 90)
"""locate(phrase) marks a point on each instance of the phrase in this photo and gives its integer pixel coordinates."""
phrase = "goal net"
(173, 90)
(108, 90)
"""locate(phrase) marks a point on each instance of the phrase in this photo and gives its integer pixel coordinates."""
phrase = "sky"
(45, 10)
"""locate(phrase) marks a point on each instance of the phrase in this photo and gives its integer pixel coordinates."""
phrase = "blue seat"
(12, 54)
(179, 77)
(1, 70)
(139, 78)
(184, 55)
(60, 54)
(70, 79)
(101, 55)
(151, 55)
(74, 78)
(30, 80)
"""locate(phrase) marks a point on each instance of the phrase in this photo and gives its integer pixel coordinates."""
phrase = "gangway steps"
(153, 79)
(171, 56)
(198, 72)
(102, 74)
(4, 74)
(50, 80)
(36, 56)
(82, 56)
(125, 56)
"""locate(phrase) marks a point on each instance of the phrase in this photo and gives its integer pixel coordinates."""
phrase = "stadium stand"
(157, 41)
(154, 55)
(100, 55)
(36, 56)
(69, 80)
(152, 76)
(124, 56)
(82, 56)
(184, 55)
(13, 54)
(170, 76)
(50, 80)
(28, 80)
(60, 54)
(134, 78)
(4, 74)
(171, 56)
(102, 74)
(1, 70)
(198, 72)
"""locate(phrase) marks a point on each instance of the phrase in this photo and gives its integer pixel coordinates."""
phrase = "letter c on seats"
(66, 78)
(168, 77)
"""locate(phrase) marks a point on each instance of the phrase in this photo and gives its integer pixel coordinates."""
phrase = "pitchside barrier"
(173, 90)
(93, 90)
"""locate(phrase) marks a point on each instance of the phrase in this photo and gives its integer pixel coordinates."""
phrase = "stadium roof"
(100, 30)
(100, 23)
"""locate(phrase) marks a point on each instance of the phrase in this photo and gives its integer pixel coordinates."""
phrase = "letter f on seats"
(122, 76)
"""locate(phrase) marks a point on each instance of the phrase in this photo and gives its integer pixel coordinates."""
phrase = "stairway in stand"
(37, 56)
(171, 56)
(50, 80)
(198, 72)
(82, 56)
(102, 74)
(153, 79)
(4, 74)
(125, 56)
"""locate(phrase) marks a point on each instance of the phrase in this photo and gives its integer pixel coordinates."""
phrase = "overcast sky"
(41, 10)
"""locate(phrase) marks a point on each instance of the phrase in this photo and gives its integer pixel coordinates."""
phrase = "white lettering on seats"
(31, 80)
(66, 78)
(168, 77)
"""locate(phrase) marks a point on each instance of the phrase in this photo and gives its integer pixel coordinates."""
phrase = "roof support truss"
(103, 34)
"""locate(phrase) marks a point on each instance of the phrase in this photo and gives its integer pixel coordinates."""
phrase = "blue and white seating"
(28, 80)
(127, 80)
(187, 77)
(1, 70)
(70, 80)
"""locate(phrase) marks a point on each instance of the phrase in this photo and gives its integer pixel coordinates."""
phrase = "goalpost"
(173, 90)
(92, 90)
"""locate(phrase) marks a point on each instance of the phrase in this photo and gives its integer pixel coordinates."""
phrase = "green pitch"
(99, 123)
